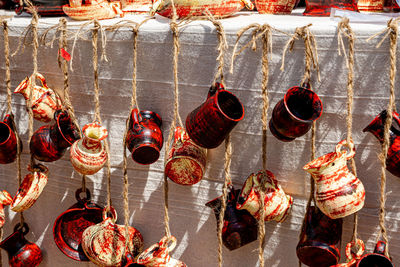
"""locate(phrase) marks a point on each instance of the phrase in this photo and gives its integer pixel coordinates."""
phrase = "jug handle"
(350, 145)
(78, 195)
(42, 80)
(214, 89)
(359, 245)
(136, 117)
(168, 242)
(109, 210)
(24, 228)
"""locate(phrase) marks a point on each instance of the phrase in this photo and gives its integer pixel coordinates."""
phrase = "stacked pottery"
(5, 200)
(8, 140)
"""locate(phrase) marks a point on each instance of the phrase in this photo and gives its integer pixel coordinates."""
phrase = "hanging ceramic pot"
(49, 142)
(31, 188)
(377, 258)
(322, 8)
(104, 243)
(376, 127)
(93, 9)
(8, 140)
(69, 226)
(277, 204)
(370, 5)
(278, 7)
(44, 100)
(137, 6)
(5, 200)
(186, 161)
(352, 258)
(88, 154)
(21, 252)
(338, 193)
(158, 255)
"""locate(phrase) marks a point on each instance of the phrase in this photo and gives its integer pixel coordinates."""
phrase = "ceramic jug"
(8, 140)
(88, 154)
(277, 204)
(44, 100)
(158, 255)
(376, 127)
(49, 142)
(186, 161)
(240, 227)
(5, 200)
(338, 193)
(21, 252)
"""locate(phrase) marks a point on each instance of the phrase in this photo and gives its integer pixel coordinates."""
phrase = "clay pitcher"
(21, 252)
(240, 227)
(158, 254)
(277, 204)
(186, 161)
(376, 127)
(5, 200)
(338, 193)
(88, 154)
(50, 142)
(44, 100)
(8, 140)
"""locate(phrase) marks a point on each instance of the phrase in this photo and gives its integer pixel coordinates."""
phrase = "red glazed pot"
(8, 140)
(293, 116)
(322, 8)
(210, 123)
(21, 252)
(186, 160)
(278, 7)
(144, 138)
(377, 258)
(5, 200)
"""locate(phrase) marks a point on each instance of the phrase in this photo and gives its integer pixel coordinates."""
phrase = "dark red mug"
(210, 123)
(293, 115)
(376, 259)
(144, 138)
(8, 140)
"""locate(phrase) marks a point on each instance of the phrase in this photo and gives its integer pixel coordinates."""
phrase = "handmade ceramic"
(94, 9)
(377, 258)
(338, 193)
(8, 140)
(352, 258)
(240, 227)
(21, 252)
(184, 8)
(320, 237)
(130, 261)
(293, 116)
(50, 142)
(158, 254)
(88, 154)
(390, 6)
(376, 127)
(104, 243)
(137, 6)
(44, 100)
(370, 5)
(186, 161)
(278, 7)
(5, 200)
(69, 226)
(210, 123)
(144, 138)
(323, 7)
(30, 188)
(277, 204)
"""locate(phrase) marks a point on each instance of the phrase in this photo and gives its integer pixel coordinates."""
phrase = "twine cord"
(7, 61)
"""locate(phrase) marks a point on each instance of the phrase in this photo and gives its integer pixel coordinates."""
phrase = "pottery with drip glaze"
(8, 140)
(5, 200)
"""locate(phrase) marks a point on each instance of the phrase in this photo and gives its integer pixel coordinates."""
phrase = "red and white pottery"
(278, 7)
(338, 193)
(353, 256)
(277, 204)
(31, 188)
(5, 200)
(88, 154)
(136, 6)
(95, 9)
(370, 5)
(44, 100)
(186, 160)
(158, 254)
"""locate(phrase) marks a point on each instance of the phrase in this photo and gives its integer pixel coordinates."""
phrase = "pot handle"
(42, 79)
(359, 245)
(24, 228)
(78, 195)
(135, 116)
(155, 7)
(109, 210)
(248, 4)
(168, 243)
(352, 151)
(214, 89)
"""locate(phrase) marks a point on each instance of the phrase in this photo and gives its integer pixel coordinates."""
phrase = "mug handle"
(110, 210)
(168, 243)
(350, 145)
(136, 117)
(78, 195)
(359, 244)
(24, 228)
(41, 78)
(214, 89)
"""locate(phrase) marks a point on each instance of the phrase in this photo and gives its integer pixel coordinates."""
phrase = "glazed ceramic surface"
(94, 9)
(5, 200)
(137, 6)
(338, 193)
(377, 258)
(354, 251)
(278, 7)
(370, 5)
(323, 8)
(8, 140)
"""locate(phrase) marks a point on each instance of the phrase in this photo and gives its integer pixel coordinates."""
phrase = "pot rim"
(103, 131)
(60, 130)
(9, 132)
(219, 107)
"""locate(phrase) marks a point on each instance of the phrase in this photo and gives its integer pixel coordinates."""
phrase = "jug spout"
(376, 127)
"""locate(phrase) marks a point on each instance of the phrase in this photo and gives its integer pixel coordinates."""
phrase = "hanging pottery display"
(158, 255)
(278, 7)
(88, 154)
(144, 138)
(44, 100)
(277, 204)
(210, 123)
(186, 161)
(293, 116)
(69, 226)
(136, 6)
(376, 127)
(8, 140)
(5, 200)
(92, 9)
(338, 192)
(240, 227)
(370, 5)
(21, 252)
(104, 243)
(30, 188)
(377, 258)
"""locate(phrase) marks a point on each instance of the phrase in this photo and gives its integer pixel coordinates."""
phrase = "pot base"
(314, 255)
(278, 134)
(146, 154)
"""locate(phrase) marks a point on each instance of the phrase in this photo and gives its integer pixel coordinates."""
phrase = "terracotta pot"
(44, 100)
(88, 154)
(186, 161)
(338, 193)
(210, 123)
(278, 7)
(277, 204)
(8, 140)
(21, 252)
(5, 200)
(31, 188)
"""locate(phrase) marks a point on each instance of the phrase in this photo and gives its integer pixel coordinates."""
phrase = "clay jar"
(277, 204)
(5, 200)
(88, 154)
(8, 140)
(293, 116)
(210, 123)
(144, 138)
(49, 142)
(278, 7)
(338, 193)
(186, 161)
(21, 252)
(377, 258)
